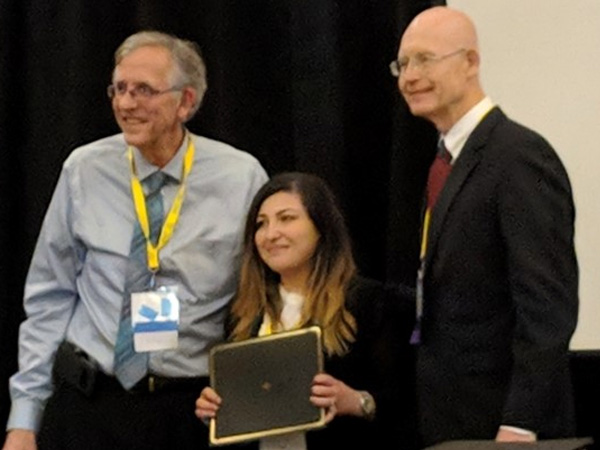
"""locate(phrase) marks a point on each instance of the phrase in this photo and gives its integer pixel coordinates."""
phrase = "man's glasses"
(140, 91)
(421, 61)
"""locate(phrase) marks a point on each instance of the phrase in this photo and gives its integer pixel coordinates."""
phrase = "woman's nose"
(272, 231)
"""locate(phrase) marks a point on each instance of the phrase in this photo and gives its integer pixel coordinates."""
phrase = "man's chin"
(420, 110)
(134, 139)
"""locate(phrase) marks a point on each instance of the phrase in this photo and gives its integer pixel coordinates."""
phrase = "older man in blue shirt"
(77, 284)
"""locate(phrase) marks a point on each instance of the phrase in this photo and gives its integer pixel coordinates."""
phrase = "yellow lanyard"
(269, 327)
(139, 201)
(425, 234)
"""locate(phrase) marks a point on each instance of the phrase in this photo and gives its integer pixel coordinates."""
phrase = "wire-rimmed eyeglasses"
(141, 90)
(421, 61)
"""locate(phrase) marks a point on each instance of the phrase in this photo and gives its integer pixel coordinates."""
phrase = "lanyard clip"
(153, 278)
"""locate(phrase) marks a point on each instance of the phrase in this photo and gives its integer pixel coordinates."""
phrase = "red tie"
(438, 172)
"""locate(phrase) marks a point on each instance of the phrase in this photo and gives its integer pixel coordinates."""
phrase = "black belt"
(74, 367)
(152, 384)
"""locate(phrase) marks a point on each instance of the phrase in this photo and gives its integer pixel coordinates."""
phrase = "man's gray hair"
(190, 69)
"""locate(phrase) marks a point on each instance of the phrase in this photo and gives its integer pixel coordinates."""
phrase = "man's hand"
(505, 435)
(20, 440)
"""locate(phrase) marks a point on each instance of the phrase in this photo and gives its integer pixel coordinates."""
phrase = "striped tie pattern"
(129, 366)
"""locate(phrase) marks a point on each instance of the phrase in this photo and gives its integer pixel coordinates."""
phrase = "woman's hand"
(335, 396)
(207, 404)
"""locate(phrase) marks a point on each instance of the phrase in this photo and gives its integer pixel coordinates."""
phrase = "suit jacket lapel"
(468, 159)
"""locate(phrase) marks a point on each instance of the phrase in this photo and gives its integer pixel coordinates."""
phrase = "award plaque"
(265, 384)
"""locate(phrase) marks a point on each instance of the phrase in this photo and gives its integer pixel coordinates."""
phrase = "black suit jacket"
(500, 291)
(380, 361)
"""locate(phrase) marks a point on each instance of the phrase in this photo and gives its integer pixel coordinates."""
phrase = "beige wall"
(541, 64)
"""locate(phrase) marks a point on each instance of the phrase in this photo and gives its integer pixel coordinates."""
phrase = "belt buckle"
(151, 384)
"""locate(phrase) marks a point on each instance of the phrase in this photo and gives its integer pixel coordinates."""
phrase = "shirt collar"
(174, 168)
(457, 136)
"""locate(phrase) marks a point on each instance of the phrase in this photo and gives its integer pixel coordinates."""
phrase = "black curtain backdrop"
(302, 85)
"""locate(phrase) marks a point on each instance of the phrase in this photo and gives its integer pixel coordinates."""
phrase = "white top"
(290, 317)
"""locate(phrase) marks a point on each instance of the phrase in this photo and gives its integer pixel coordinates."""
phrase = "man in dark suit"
(499, 274)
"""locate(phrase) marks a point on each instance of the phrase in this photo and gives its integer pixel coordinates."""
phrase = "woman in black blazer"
(298, 270)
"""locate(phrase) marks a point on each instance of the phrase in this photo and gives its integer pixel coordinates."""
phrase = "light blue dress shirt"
(74, 288)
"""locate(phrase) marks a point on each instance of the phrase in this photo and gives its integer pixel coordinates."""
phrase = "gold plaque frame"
(265, 383)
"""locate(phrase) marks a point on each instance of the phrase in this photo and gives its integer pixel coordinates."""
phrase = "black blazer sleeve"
(537, 222)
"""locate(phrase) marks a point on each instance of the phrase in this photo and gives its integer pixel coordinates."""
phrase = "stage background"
(302, 85)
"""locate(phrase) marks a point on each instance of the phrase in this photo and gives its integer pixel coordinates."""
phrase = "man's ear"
(473, 60)
(189, 97)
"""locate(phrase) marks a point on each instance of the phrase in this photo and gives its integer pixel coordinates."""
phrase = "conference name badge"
(155, 319)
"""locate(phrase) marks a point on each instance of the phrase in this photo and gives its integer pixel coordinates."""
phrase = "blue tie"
(131, 367)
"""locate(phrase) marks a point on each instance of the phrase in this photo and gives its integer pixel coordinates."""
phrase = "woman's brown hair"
(332, 267)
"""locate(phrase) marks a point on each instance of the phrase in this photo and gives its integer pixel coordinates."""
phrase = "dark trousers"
(106, 417)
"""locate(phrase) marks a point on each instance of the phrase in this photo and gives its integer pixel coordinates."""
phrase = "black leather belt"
(153, 384)
(74, 367)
